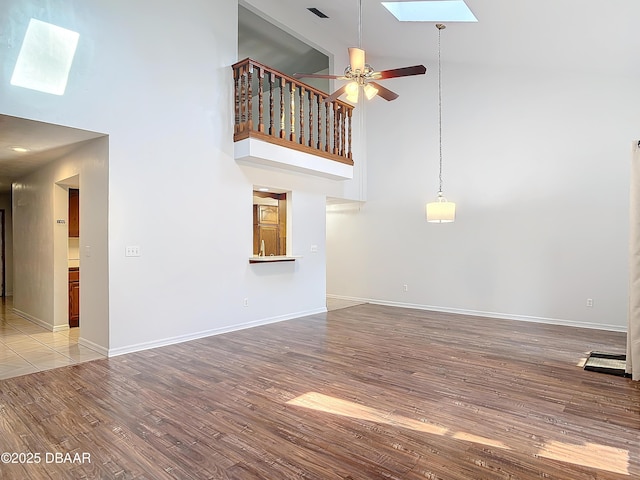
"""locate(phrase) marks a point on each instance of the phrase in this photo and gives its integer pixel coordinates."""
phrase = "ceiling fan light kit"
(362, 75)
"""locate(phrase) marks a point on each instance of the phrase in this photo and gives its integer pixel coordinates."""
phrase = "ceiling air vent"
(317, 12)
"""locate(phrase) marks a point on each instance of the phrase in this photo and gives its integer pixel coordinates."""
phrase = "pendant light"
(440, 211)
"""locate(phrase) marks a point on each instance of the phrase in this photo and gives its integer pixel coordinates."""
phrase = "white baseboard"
(350, 299)
(33, 319)
(478, 313)
(93, 346)
(40, 322)
(112, 352)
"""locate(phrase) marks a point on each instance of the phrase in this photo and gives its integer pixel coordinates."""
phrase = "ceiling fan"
(361, 74)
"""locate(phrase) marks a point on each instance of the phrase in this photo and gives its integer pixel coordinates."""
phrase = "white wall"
(537, 162)
(160, 85)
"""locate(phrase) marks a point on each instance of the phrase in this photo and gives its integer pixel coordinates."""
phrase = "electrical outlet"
(132, 251)
(589, 302)
(245, 302)
(405, 287)
(314, 248)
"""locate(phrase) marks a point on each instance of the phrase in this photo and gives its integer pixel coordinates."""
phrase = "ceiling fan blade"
(336, 94)
(356, 59)
(400, 72)
(385, 93)
(316, 75)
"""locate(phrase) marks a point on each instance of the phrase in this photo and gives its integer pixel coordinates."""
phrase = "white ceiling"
(593, 36)
(589, 35)
(46, 142)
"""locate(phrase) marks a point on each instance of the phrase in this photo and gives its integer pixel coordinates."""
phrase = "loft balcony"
(282, 122)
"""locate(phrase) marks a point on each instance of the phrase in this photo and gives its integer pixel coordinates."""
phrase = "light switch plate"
(132, 251)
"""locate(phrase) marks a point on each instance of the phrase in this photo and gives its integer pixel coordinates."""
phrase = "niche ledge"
(273, 258)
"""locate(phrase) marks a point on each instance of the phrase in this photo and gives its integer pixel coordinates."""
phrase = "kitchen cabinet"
(266, 229)
(74, 297)
(74, 212)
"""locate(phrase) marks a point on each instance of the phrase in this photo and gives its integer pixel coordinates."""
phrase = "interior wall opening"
(270, 225)
(264, 42)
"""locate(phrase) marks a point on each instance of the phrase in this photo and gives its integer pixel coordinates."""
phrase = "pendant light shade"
(351, 90)
(356, 55)
(370, 91)
(440, 211)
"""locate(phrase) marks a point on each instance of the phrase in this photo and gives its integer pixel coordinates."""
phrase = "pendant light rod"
(359, 23)
(440, 27)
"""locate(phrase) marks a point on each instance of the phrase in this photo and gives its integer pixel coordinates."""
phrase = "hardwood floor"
(364, 392)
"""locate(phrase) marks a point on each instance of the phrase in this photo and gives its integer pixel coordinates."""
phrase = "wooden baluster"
(311, 97)
(260, 100)
(340, 131)
(350, 113)
(319, 145)
(283, 85)
(236, 94)
(243, 96)
(301, 139)
(336, 121)
(343, 125)
(271, 112)
(292, 114)
(327, 134)
(250, 98)
(336, 146)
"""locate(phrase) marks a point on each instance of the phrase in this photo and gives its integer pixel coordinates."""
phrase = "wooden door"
(266, 229)
(74, 212)
(74, 298)
(269, 235)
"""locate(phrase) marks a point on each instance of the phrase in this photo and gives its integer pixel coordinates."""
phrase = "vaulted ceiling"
(590, 36)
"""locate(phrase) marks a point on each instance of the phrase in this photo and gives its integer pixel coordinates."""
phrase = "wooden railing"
(279, 109)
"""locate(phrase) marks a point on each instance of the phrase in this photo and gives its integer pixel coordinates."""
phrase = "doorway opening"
(59, 158)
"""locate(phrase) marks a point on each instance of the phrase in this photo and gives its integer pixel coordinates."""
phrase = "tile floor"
(27, 348)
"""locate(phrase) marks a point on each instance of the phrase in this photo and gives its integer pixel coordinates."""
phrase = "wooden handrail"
(327, 132)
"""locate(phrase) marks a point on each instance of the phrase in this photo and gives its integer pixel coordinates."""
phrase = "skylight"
(431, 11)
(45, 58)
